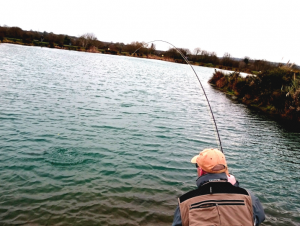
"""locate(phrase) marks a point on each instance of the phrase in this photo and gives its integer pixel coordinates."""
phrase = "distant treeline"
(89, 42)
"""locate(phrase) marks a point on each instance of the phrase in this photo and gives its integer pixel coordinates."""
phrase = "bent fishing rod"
(186, 60)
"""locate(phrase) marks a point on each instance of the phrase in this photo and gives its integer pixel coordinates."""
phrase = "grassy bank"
(42, 44)
(275, 92)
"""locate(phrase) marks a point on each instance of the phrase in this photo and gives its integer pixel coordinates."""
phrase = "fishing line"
(186, 60)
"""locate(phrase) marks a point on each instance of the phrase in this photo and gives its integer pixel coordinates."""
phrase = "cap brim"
(193, 160)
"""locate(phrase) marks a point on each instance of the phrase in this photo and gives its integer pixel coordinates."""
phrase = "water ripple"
(63, 156)
(94, 139)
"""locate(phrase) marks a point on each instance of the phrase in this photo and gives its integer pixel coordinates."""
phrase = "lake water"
(93, 139)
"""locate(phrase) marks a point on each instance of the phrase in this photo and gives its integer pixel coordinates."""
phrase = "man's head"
(210, 161)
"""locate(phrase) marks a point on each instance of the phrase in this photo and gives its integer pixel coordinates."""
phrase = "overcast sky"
(260, 29)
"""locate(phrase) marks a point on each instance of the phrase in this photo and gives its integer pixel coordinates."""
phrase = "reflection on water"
(92, 139)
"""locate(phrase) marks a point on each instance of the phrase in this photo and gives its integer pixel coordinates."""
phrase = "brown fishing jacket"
(217, 202)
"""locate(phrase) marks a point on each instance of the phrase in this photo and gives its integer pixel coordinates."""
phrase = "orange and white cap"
(211, 160)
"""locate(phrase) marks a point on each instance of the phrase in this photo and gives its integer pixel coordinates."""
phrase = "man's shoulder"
(213, 188)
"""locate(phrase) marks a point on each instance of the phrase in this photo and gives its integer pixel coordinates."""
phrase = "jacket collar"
(211, 177)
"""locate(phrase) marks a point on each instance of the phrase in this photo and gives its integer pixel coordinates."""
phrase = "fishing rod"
(186, 60)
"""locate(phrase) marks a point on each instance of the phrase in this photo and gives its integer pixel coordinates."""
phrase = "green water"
(92, 139)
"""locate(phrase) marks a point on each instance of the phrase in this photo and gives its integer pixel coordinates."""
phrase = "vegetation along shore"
(271, 87)
(275, 91)
(88, 42)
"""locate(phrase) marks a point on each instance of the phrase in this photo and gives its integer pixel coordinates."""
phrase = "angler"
(218, 200)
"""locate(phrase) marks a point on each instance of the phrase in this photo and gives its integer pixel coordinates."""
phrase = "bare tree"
(197, 51)
(88, 40)
(185, 51)
(152, 48)
(226, 60)
(172, 53)
(51, 39)
(204, 53)
(133, 46)
(60, 40)
(15, 32)
(92, 39)
(119, 46)
(82, 41)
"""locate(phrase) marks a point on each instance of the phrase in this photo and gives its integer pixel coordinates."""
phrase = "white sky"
(260, 29)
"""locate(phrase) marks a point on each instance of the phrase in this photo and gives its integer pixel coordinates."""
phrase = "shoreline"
(149, 56)
(272, 93)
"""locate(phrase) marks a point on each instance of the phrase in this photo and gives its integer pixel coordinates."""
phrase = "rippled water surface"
(92, 139)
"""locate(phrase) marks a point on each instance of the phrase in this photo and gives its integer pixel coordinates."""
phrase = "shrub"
(51, 44)
(276, 91)
(209, 65)
(36, 43)
(44, 44)
(216, 76)
(221, 82)
(14, 39)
